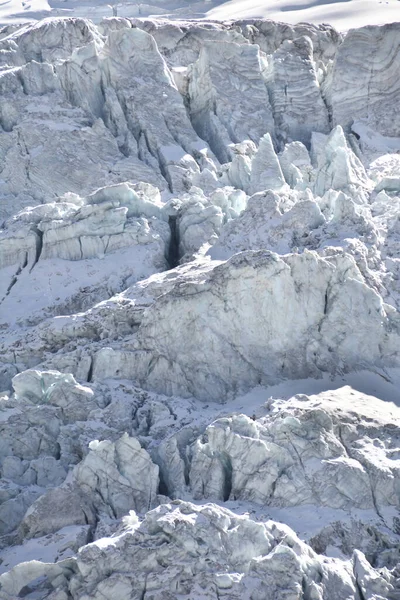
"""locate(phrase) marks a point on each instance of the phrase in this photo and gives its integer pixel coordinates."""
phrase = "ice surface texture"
(191, 214)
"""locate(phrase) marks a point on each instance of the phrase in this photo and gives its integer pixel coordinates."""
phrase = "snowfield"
(343, 14)
(199, 305)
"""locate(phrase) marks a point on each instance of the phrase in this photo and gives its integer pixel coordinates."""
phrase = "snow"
(13, 11)
(343, 15)
(375, 385)
(47, 550)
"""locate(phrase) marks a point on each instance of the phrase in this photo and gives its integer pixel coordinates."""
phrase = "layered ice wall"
(364, 79)
(191, 212)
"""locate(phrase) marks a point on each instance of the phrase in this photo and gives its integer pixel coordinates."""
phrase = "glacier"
(199, 310)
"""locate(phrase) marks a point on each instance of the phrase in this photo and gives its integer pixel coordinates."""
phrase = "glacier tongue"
(199, 296)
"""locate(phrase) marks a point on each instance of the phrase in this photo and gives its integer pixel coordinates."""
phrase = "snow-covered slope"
(199, 311)
(343, 14)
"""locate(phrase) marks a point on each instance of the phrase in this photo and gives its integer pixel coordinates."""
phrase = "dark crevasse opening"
(39, 244)
(228, 472)
(162, 486)
(173, 250)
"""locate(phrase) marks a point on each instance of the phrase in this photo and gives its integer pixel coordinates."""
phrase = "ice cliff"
(199, 311)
